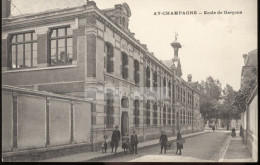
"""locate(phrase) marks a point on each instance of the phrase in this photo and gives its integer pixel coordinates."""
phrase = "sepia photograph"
(129, 81)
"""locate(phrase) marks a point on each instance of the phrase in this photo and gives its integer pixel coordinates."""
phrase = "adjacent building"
(88, 53)
(249, 118)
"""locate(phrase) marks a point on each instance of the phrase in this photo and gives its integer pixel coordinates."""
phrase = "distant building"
(91, 54)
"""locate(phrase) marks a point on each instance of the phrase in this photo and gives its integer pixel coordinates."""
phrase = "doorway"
(124, 123)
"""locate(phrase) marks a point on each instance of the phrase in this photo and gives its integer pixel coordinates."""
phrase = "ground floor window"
(164, 115)
(155, 114)
(109, 109)
(148, 113)
(136, 113)
(169, 116)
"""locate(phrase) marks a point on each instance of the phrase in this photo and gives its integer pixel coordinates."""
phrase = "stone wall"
(34, 120)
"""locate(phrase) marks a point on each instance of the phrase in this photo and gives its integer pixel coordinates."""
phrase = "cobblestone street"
(207, 147)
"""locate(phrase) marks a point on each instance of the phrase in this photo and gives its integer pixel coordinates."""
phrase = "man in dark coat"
(134, 142)
(163, 141)
(115, 139)
(179, 142)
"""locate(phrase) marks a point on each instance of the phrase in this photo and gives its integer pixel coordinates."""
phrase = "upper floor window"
(61, 46)
(23, 50)
(124, 66)
(164, 86)
(110, 55)
(136, 72)
(155, 83)
(169, 87)
(123, 21)
(148, 77)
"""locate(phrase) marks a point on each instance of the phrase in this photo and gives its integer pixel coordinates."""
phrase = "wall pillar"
(15, 126)
(42, 46)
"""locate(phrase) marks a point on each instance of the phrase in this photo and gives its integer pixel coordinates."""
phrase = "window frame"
(57, 38)
(32, 41)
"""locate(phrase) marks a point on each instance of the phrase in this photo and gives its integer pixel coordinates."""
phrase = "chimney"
(189, 77)
(245, 57)
(91, 3)
(6, 8)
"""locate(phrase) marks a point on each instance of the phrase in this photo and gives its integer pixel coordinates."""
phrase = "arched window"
(109, 110)
(136, 112)
(109, 55)
(155, 114)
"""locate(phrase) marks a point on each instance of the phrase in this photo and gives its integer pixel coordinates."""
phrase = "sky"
(212, 45)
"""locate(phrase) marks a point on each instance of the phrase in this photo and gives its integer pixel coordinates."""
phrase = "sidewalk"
(89, 156)
(236, 151)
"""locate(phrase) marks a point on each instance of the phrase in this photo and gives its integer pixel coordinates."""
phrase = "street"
(206, 147)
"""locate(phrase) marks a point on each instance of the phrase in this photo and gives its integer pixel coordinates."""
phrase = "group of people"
(164, 142)
(132, 144)
(126, 144)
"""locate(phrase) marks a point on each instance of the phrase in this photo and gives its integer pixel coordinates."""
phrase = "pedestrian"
(134, 142)
(163, 141)
(115, 139)
(104, 144)
(241, 131)
(233, 134)
(213, 128)
(125, 140)
(179, 142)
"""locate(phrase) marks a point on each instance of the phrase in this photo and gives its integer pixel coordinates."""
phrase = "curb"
(122, 153)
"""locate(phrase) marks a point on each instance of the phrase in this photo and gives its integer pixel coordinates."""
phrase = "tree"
(226, 109)
(210, 92)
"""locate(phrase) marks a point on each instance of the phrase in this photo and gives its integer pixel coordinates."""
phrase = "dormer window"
(123, 21)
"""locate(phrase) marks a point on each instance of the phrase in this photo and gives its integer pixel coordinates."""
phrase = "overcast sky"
(211, 44)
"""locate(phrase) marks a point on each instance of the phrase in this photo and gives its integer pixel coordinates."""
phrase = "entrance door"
(124, 123)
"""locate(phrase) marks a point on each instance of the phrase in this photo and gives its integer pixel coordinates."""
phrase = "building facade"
(91, 54)
(249, 118)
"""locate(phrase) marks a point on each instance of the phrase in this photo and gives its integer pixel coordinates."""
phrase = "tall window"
(173, 93)
(61, 46)
(23, 50)
(148, 113)
(109, 56)
(155, 83)
(169, 87)
(179, 94)
(136, 113)
(169, 115)
(173, 117)
(164, 115)
(124, 66)
(136, 72)
(109, 110)
(148, 77)
(155, 114)
(164, 86)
